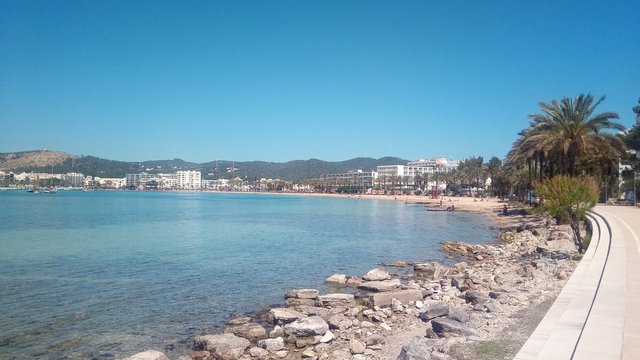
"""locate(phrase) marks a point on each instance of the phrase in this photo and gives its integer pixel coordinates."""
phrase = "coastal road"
(597, 314)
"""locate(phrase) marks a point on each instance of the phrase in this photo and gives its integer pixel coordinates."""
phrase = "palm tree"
(568, 129)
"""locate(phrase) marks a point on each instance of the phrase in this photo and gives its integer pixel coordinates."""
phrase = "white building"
(352, 178)
(430, 166)
(111, 183)
(136, 180)
(167, 181)
(189, 180)
(388, 171)
(73, 179)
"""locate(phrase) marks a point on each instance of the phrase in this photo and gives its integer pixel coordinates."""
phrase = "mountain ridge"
(61, 162)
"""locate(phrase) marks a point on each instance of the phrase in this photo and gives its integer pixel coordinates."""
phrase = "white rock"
(311, 326)
(272, 344)
(340, 279)
(284, 315)
(327, 337)
(148, 355)
(302, 294)
(377, 275)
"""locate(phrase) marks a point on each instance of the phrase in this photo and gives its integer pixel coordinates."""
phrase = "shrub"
(568, 199)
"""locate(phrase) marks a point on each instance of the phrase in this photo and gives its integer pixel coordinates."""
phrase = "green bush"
(568, 199)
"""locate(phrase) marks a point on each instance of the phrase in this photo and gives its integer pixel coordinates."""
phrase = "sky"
(294, 80)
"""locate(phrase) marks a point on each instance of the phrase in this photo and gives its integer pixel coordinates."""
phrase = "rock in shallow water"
(339, 279)
(222, 346)
(377, 274)
(250, 331)
(302, 293)
(148, 355)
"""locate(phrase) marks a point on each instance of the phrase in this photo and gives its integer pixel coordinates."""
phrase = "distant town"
(425, 175)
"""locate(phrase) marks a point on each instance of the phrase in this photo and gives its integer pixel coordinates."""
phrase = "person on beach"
(504, 209)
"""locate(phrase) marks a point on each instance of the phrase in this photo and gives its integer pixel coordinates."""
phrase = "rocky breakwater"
(435, 312)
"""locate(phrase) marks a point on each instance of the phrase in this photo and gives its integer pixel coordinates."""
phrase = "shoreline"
(500, 284)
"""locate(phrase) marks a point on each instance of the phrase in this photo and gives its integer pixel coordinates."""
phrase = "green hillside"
(59, 162)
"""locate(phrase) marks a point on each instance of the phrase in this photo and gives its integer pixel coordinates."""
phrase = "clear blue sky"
(286, 80)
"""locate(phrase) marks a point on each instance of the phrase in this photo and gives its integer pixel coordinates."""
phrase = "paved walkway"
(597, 314)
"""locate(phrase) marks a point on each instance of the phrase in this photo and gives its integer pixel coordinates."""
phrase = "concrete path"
(597, 314)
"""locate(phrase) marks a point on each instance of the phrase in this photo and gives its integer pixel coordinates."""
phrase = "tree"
(568, 199)
(566, 130)
(494, 167)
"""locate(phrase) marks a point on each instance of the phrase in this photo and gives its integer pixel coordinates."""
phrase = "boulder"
(374, 339)
(459, 315)
(309, 354)
(377, 274)
(276, 332)
(405, 296)
(378, 286)
(431, 271)
(284, 315)
(434, 311)
(311, 326)
(302, 294)
(447, 327)
(241, 320)
(340, 354)
(473, 297)
(419, 348)
(312, 310)
(222, 346)
(339, 279)
(148, 355)
(339, 322)
(336, 299)
(356, 347)
(353, 281)
(258, 352)
(251, 331)
(272, 345)
(291, 302)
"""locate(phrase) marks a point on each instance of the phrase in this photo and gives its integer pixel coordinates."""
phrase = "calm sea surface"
(107, 274)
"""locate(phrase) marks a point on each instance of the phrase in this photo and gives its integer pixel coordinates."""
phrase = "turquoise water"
(107, 274)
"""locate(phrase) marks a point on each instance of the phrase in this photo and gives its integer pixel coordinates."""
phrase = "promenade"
(597, 314)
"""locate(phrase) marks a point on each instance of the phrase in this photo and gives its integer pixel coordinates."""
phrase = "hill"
(60, 162)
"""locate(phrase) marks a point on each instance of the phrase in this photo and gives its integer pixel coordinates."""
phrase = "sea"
(107, 274)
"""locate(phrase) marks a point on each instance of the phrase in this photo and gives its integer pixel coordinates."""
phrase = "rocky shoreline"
(464, 311)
